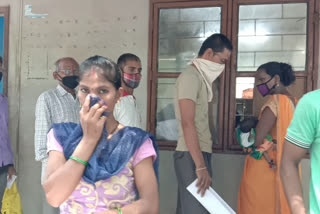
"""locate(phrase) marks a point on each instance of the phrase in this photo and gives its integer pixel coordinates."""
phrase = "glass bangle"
(119, 210)
(79, 160)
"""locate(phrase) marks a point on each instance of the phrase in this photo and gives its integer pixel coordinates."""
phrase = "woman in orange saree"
(261, 190)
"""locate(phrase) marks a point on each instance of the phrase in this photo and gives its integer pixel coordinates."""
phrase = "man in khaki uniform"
(193, 91)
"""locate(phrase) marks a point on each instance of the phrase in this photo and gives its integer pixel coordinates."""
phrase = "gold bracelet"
(199, 169)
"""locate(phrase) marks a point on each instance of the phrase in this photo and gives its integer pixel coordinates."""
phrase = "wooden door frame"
(229, 25)
(153, 75)
(312, 54)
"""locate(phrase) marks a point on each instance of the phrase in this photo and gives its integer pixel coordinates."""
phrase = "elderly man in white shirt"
(56, 106)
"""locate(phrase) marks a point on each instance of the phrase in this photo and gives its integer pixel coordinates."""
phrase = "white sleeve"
(43, 123)
(126, 112)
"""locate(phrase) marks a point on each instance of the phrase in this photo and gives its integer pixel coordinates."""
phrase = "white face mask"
(210, 71)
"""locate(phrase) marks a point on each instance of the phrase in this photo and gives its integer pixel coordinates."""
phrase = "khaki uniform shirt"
(190, 85)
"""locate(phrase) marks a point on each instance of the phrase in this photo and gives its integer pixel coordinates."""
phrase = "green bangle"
(79, 160)
(119, 210)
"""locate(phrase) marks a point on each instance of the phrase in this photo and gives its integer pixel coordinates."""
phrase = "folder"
(211, 200)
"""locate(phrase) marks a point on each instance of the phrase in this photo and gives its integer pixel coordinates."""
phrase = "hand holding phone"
(94, 100)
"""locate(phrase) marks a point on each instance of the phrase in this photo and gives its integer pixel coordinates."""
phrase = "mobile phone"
(94, 100)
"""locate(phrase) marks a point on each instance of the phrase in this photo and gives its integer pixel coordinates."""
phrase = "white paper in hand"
(211, 200)
(10, 181)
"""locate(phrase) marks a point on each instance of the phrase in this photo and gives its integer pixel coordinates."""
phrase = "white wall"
(80, 29)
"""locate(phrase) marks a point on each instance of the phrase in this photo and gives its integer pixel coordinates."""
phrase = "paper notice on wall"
(211, 200)
(28, 12)
(36, 62)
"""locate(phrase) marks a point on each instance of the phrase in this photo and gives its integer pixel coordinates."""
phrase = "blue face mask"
(94, 100)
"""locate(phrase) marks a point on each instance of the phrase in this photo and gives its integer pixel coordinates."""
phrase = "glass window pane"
(181, 33)
(244, 97)
(166, 127)
(272, 32)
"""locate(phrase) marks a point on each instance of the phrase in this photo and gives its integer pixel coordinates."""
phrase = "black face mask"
(0, 76)
(70, 81)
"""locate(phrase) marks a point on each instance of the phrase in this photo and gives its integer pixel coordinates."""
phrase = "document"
(10, 181)
(211, 200)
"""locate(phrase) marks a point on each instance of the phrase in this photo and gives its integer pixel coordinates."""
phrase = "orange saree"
(261, 189)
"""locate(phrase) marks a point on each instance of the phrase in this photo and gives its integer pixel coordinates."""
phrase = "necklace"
(114, 129)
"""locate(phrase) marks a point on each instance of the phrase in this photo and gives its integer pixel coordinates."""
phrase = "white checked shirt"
(53, 106)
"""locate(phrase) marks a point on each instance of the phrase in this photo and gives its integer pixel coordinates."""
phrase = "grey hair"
(64, 59)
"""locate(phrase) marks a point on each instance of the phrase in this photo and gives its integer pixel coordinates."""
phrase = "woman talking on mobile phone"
(100, 166)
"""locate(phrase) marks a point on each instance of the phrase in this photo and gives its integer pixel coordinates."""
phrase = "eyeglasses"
(68, 72)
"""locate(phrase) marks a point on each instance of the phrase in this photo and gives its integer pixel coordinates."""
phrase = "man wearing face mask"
(193, 91)
(126, 111)
(56, 106)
